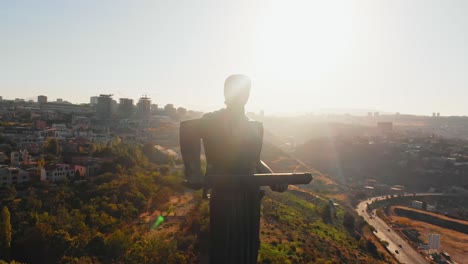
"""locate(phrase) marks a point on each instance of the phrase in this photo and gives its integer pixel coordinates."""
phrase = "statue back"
(231, 146)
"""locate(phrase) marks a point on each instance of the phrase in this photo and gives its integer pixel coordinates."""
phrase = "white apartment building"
(13, 175)
(56, 172)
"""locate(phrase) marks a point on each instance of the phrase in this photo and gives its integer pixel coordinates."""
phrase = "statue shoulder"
(256, 127)
(214, 115)
(256, 124)
(189, 128)
(198, 125)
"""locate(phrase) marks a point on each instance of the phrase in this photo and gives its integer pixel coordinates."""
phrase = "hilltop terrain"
(134, 209)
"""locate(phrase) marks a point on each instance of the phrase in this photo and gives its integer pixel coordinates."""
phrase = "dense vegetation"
(100, 220)
(95, 220)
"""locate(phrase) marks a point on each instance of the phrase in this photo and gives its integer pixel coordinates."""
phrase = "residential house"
(3, 158)
(57, 172)
(12, 175)
(80, 171)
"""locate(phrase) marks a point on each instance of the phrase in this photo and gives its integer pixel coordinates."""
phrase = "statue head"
(237, 90)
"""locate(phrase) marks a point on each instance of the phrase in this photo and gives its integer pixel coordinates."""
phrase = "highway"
(406, 254)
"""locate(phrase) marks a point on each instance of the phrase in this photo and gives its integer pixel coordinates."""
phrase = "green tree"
(117, 244)
(11, 192)
(5, 234)
(3, 139)
(371, 248)
(327, 214)
(348, 221)
(52, 146)
(149, 151)
(164, 170)
(155, 250)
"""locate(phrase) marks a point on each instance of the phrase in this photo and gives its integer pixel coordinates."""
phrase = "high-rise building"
(93, 100)
(15, 158)
(125, 107)
(104, 106)
(42, 99)
(181, 112)
(144, 106)
(170, 110)
(114, 107)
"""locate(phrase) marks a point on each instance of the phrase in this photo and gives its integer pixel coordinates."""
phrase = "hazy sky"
(408, 56)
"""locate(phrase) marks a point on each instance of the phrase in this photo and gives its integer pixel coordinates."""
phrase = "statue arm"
(190, 147)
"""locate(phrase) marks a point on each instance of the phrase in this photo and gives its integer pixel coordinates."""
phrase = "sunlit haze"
(391, 56)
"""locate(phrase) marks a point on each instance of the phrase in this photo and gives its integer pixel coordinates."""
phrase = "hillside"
(296, 226)
(296, 229)
(301, 129)
(139, 212)
(280, 161)
(418, 164)
(432, 218)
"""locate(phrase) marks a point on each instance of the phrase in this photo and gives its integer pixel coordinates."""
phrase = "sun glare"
(302, 40)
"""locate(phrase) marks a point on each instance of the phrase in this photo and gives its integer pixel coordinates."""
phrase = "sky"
(407, 56)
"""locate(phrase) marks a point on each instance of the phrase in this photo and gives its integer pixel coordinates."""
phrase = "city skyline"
(391, 56)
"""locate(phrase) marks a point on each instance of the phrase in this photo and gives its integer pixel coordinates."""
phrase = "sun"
(302, 40)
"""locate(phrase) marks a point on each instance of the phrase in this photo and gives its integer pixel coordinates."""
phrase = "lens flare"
(158, 222)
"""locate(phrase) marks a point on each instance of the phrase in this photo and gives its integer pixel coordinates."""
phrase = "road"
(406, 254)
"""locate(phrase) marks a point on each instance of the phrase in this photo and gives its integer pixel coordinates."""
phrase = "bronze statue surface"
(232, 145)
